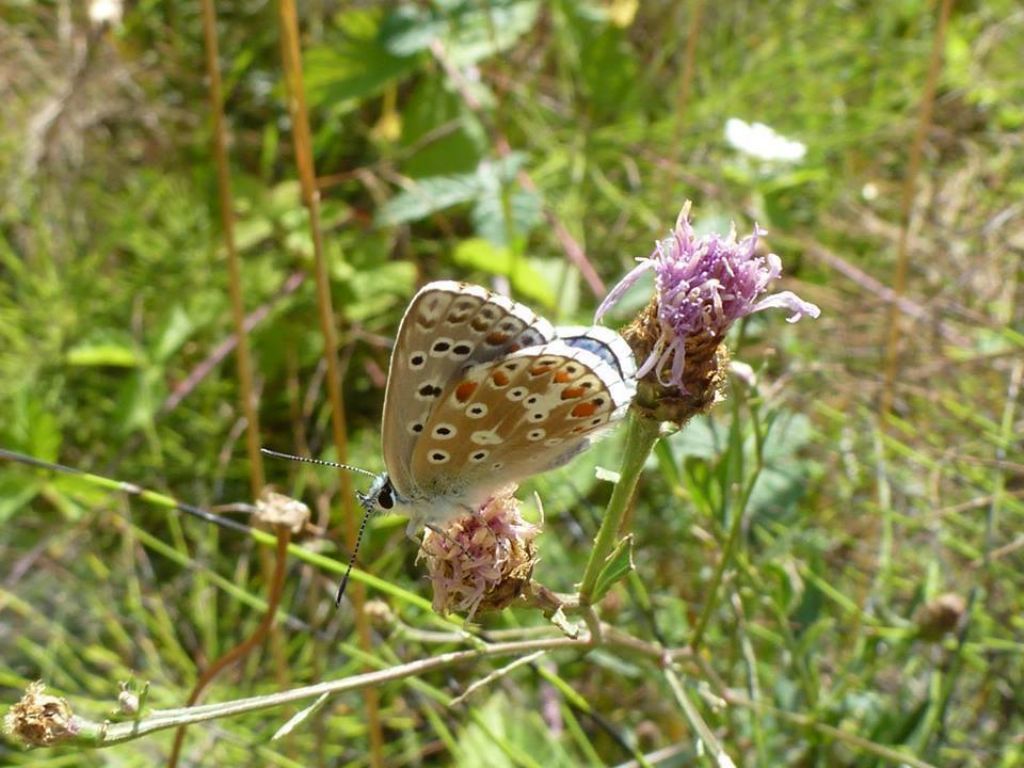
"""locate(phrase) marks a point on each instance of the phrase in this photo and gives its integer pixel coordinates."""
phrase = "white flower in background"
(106, 12)
(761, 141)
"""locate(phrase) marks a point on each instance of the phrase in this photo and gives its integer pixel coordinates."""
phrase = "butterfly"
(482, 393)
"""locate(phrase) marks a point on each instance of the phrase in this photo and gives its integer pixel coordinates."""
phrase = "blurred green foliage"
(114, 298)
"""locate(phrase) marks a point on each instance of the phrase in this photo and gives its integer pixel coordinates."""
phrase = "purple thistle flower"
(703, 285)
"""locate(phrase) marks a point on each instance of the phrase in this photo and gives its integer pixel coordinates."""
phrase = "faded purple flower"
(41, 720)
(483, 559)
(703, 285)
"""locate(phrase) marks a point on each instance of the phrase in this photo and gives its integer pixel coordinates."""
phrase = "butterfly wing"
(603, 342)
(447, 326)
(529, 411)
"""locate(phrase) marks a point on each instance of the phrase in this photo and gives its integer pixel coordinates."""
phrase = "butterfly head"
(380, 496)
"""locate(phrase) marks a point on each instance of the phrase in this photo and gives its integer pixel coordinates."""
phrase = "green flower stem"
(641, 435)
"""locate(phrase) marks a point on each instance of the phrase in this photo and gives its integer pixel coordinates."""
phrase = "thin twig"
(899, 285)
(704, 733)
(686, 79)
(495, 675)
(302, 142)
(274, 574)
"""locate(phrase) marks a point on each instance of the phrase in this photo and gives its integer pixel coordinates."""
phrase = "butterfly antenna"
(367, 509)
(321, 462)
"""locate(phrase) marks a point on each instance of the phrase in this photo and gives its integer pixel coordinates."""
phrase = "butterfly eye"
(385, 499)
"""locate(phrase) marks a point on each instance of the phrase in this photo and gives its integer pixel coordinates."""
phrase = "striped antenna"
(321, 462)
(365, 501)
(367, 504)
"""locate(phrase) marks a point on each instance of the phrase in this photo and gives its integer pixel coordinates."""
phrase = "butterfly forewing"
(447, 327)
(524, 413)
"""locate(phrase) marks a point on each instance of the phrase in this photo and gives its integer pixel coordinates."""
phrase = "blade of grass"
(899, 285)
(274, 573)
(302, 142)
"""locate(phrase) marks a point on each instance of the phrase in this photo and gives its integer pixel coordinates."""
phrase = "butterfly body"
(483, 393)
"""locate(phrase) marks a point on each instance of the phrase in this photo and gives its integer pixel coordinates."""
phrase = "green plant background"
(114, 292)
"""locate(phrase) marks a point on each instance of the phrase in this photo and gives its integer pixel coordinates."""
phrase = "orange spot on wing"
(540, 370)
(465, 391)
(571, 393)
(495, 338)
(563, 377)
(582, 410)
(500, 378)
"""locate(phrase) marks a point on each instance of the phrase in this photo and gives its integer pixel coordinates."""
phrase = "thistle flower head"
(702, 286)
(482, 560)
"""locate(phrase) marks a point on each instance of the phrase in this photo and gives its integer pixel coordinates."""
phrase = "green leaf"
(479, 254)
(139, 399)
(16, 491)
(371, 292)
(468, 30)
(104, 352)
(435, 193)
(177, 328)
(430, 105)
(355, 67)
(616, 568)
(32, 427)
(491, 220)
(607, 65)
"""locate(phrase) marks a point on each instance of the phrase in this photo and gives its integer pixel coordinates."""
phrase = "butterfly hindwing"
(447, 326)
(526, 412)
(603, 342)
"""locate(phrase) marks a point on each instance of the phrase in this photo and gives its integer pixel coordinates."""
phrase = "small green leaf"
(15, 493)
(32, 426)
(428, 196)
(175, 332)
(435, 193)
(479, 254)
(139, 399)
(370, 293)
(104, 352)
(616, 568)
(354, 67)
(491, 218)
(468, 31)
